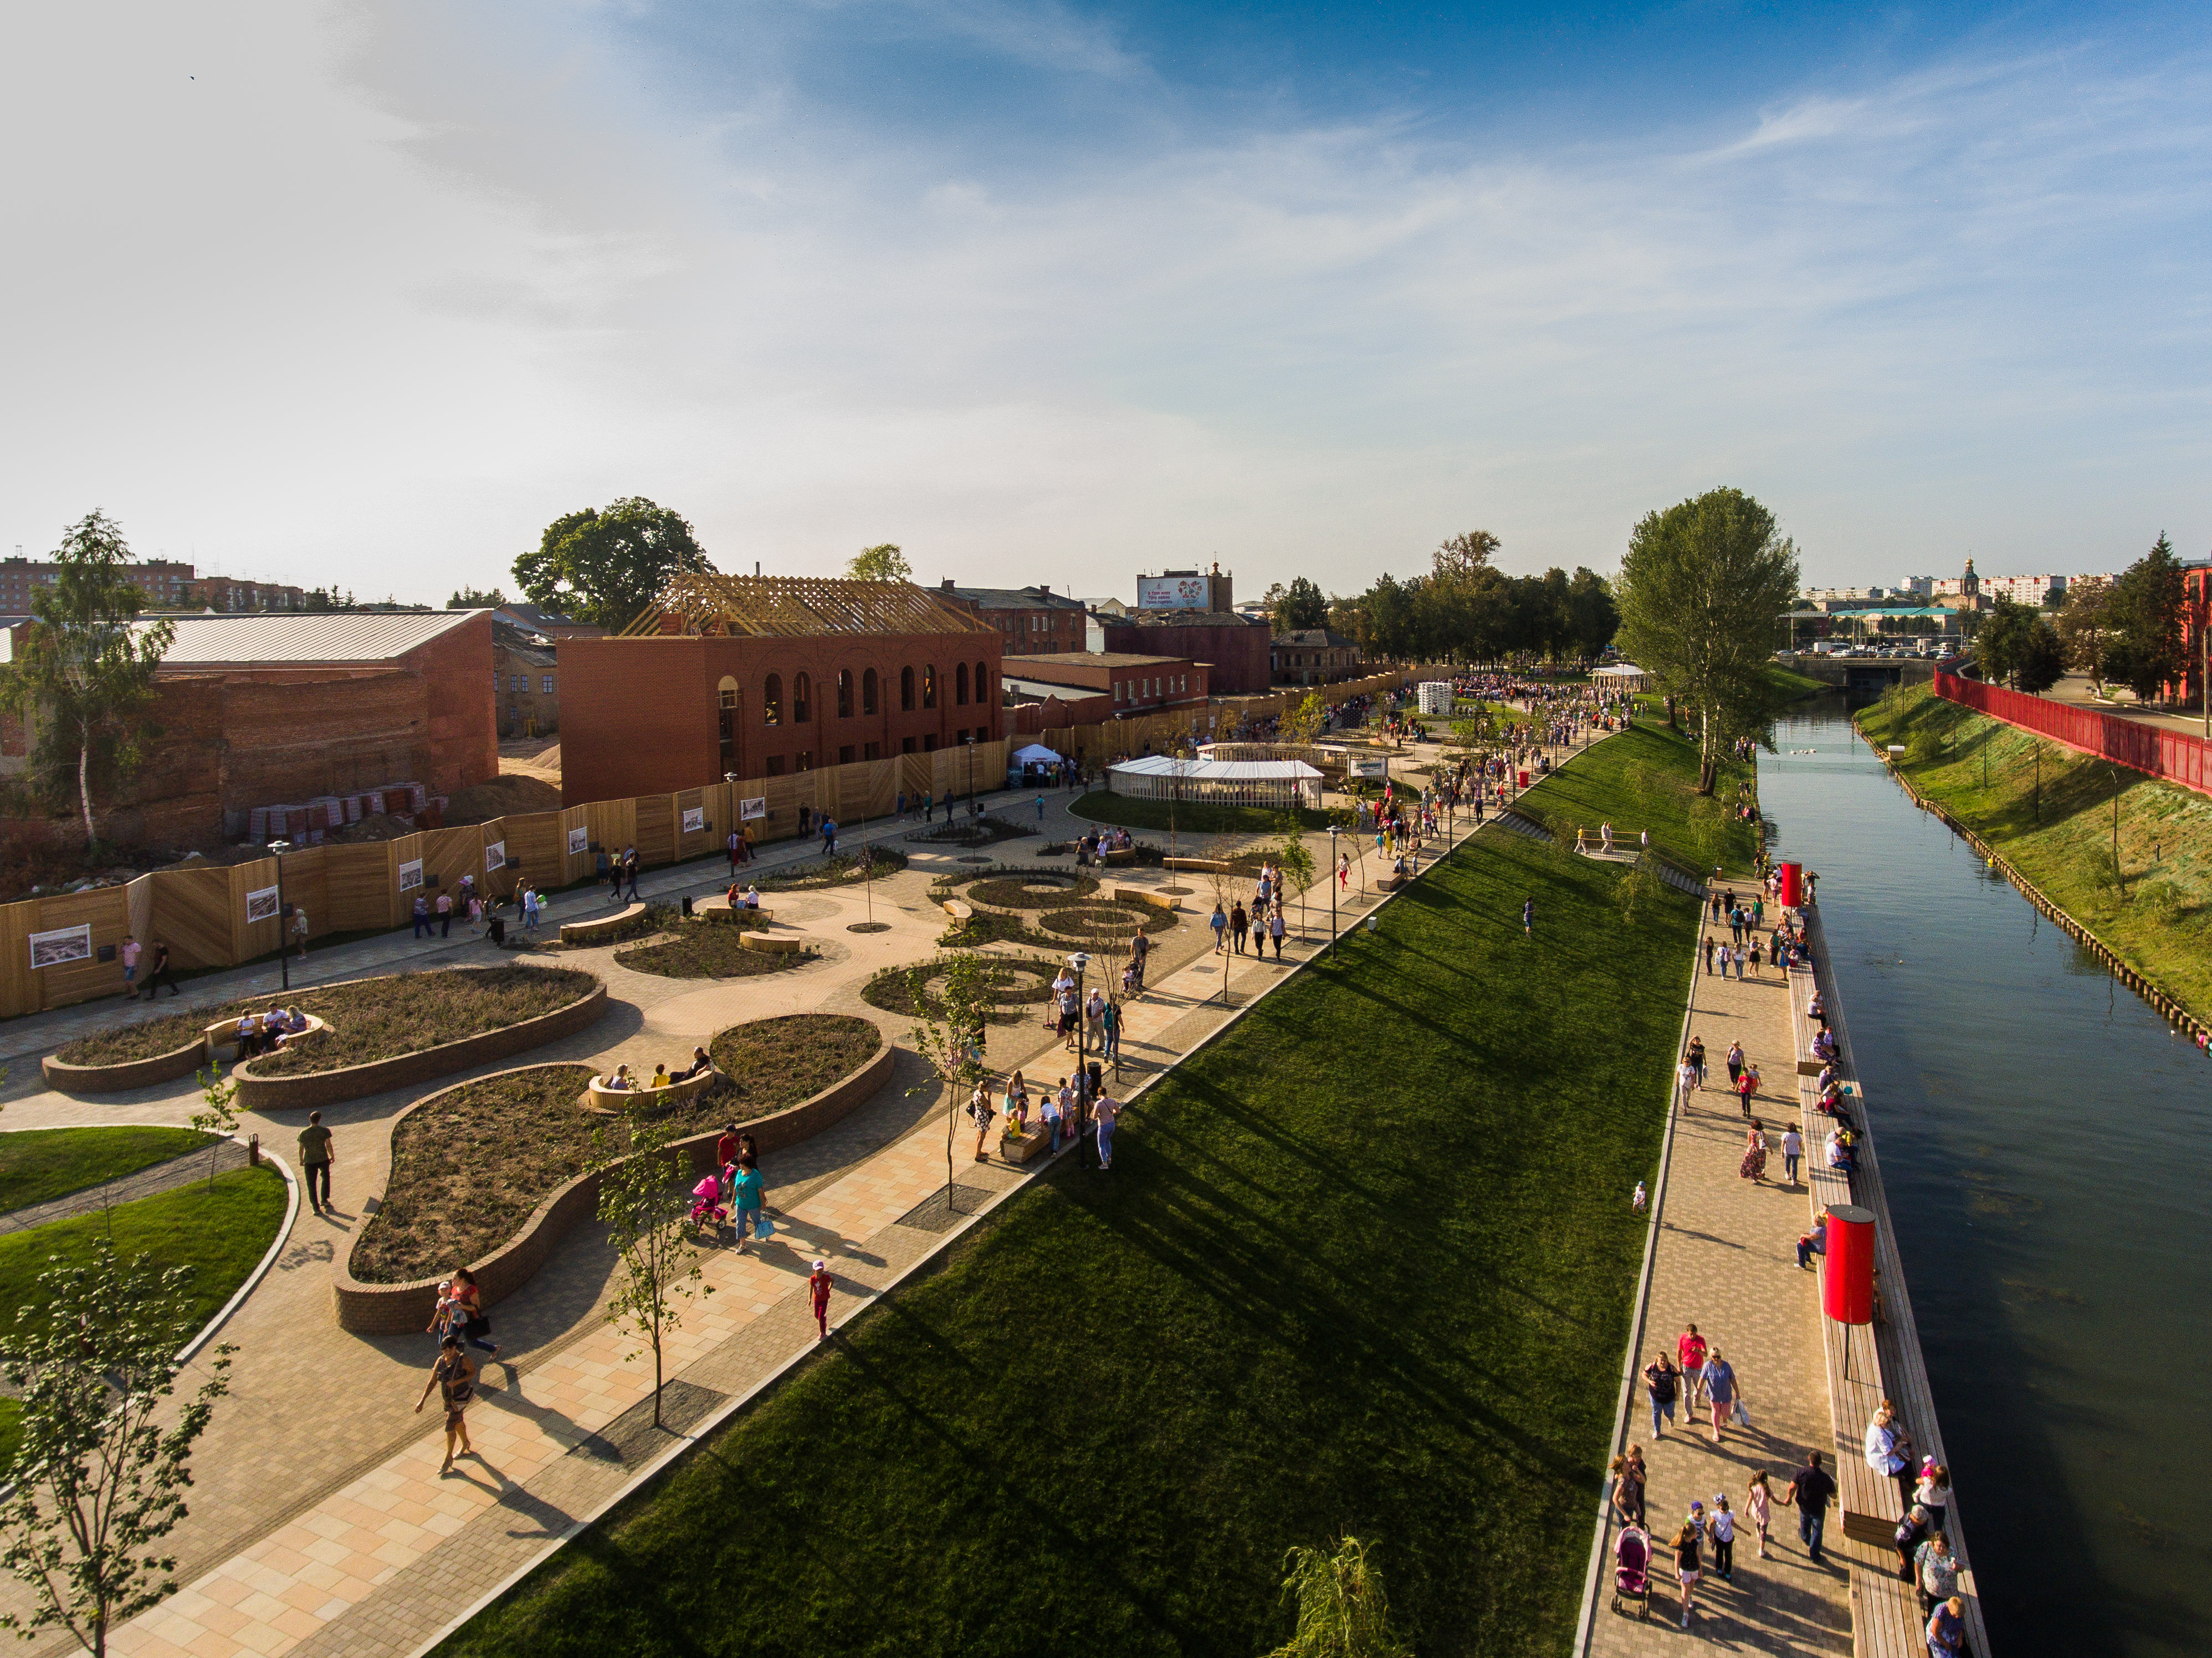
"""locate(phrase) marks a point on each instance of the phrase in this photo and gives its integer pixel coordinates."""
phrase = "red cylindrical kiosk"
(1793, 882)
(1847, 1284)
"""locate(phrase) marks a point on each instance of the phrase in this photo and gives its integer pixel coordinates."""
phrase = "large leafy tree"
(84, 677)
(2018, 645)
(1702, 588)
(1301, 604)
(2084, 624)
(881, 562)
(1592, 617)
(2143, 648)
(607, 566)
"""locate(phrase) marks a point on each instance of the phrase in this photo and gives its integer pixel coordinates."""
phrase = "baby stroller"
(1632, 1569)
(707, 1210)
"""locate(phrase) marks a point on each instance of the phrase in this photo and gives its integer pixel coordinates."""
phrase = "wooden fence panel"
(535, 838)
(359, 883)
(613, 824)
(106, 911)
(708, 837)
(307, 887)
(447, 854)
(655, 836)
(250, 940)
(20, 989)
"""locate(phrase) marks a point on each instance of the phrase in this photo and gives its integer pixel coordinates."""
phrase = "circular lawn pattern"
(1032, 890)
(1119, 922)
(1020, 982)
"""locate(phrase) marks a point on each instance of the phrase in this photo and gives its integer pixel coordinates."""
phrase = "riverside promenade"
(1723, 1257)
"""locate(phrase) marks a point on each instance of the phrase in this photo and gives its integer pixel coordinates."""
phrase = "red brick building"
(1030, 621)
(1118, 684)
(1238, 650)
(281, 709)
(766, 676)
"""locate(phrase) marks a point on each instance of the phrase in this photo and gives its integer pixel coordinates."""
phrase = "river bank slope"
(2127, 856)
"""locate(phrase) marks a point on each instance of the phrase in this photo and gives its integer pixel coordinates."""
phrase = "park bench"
(221, 1038)
(1030, 1145)
(1120, 855)
(959, 910)
(719, 909)
(1139, 896)
(1203, 865)
(600, 929)
(768, 944)
(612, 1102)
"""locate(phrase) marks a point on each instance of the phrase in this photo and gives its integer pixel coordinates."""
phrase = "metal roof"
(330, 637)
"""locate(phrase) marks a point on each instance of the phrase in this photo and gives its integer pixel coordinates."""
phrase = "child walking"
(819, 1283)
(1759, 1504)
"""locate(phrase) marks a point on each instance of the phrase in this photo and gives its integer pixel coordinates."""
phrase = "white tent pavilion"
(1035, 754)
(1625, 675)
(1236, 782)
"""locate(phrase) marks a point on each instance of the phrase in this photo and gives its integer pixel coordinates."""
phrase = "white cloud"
(384, 292)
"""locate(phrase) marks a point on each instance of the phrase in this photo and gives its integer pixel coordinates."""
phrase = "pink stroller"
(1632, 1569)
(708, 1210)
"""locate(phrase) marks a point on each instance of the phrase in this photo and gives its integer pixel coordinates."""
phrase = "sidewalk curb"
(268, 1259)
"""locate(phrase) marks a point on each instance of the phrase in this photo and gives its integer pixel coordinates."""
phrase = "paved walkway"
(1726, 1260)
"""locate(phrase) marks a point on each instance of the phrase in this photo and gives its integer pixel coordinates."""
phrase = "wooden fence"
(222, 916)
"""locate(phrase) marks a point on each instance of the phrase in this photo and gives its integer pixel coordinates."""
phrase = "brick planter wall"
(286, 1093)
(131, 1073)
(405, 1309)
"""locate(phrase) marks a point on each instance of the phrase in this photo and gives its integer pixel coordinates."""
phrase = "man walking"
(315, 1160)
(1810, 1491)
(829, 837)
(1104, 1110)
(160, 974)
(736, 844)
(445, 914)
(1529, 917)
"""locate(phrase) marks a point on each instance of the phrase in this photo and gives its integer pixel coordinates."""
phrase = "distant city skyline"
(1055, 292)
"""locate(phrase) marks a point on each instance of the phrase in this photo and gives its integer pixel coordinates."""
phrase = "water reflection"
(2045, 1148)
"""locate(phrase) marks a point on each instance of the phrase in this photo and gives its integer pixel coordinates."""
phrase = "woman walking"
(1753, 1166)
(1662, 1383)
(454, 1377)
(1735, 1062)
(1629, 1478)
(474, 1325)
(979, 1112)
(1719, 1377)
(745, 1198)
(1722, 1530)
(1746, 1086)
(1688, 1541)
(1697, 1060)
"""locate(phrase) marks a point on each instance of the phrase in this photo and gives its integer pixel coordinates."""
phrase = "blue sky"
(367, 294)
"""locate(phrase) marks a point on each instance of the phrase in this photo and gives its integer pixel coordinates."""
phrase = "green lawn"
(41, 1164)
(2049, 811)
(222, 1233)
(1793, 685)
(11, 1434)
(1643, 777)
(1102, 807)
(1315, 1294)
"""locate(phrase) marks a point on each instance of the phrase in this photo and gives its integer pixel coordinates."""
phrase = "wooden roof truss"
(739, 606)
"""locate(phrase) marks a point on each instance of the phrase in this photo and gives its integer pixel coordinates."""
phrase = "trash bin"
(1847, 1283)
(1524, 779)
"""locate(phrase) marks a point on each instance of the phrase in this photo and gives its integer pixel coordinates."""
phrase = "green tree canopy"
(1703, 589)
(473, 598)
(881, 562)
(607, 566)
(2017, 644)
(84, 677)
(2144, 647)
(1301, 604)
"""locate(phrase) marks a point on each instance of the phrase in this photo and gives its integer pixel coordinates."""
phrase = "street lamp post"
(1076, 963)
(1331, 891)
(971, 774)
(276, 850)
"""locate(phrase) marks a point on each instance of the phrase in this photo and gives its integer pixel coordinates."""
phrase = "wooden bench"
(221, 1038)
(959, 911)
(1120, 855)
(1139, 896)
(1203, 865)
(600, 928)
(719, 909)
(770, 945)
(611, 1102)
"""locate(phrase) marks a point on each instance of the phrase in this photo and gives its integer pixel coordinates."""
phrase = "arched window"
(802, 698)
(984, 684)
(772, 701)
(929, 685)
(960, 685)
(844, 692)
(868, 691)
(906, 690)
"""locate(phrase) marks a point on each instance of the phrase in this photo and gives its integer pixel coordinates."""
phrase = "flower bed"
(701, 949)
(1016, 981)
(1031, 890)
(471, 1165)
(842, 870)
(409, 1012)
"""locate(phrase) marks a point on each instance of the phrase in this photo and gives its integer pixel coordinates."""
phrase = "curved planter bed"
(406, 1309)
(128, 1073)
(320, 1088)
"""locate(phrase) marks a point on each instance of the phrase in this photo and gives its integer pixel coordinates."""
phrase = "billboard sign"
(1172, 592)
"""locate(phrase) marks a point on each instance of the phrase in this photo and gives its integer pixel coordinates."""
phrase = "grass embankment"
(470, 1170)
(2156, 911)
(220, 1231)
(1793, 685)
(369, 1019)
(1301, 1303)
(1645, 778)
(1196, 818)
(41, 1164)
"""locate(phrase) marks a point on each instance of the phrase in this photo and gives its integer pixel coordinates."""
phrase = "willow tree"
(84, 674)
(1702, 591)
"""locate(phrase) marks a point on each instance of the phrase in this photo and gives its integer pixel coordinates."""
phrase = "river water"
(2046, 1145)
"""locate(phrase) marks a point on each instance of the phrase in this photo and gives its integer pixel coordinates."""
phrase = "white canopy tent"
(1624, 674)
(1035, 754)
(1236, 782)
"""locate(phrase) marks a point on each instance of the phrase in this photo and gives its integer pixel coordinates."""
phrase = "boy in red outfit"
(819, 1282)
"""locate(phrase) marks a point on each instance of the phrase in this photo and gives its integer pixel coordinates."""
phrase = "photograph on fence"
(411, 875)
(755, 807)
(695, 819)
(61, 947)
(494, 856)
(261, 906)
(580, 841)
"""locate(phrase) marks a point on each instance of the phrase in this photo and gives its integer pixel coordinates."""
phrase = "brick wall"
(642, 716)
(1239, 653)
